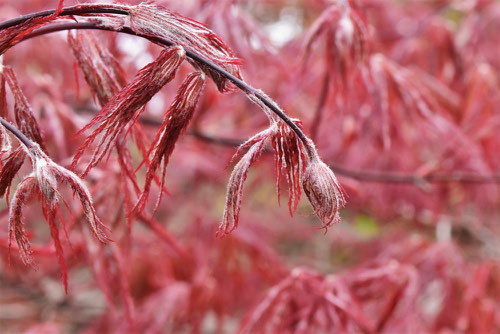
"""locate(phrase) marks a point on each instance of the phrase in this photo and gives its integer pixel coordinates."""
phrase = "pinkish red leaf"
(120, 113)
(101, 70)
(175, 122)
(24, 191)
(154, 20)
(25, 119)
(11, 166)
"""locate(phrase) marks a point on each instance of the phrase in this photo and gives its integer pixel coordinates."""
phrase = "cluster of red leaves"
(303, 169)
(122, 110)
(410, 286)
(403, 107)
(175, 122)
(345, 39)
(103, 73)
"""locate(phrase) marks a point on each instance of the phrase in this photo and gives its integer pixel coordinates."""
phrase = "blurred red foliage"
(401, 98)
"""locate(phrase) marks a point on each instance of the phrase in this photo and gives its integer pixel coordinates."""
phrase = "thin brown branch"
(16, 132)
(375, 176)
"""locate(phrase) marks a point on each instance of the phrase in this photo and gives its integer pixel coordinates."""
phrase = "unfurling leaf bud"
(46, 179)
(323, 191)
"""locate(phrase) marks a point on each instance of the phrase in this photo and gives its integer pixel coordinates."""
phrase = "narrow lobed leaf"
(24, 116)
(125, 107)
(24, 191)
(289, 154)
(235, 188)
(175, 122)
(101, 70)
(11, 166)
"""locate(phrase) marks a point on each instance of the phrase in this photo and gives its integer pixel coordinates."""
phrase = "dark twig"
(16, 132)
(67, 11)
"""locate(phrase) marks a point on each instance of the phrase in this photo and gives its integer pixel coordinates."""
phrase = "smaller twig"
(360, 175)
(372, 176)
(16, 132)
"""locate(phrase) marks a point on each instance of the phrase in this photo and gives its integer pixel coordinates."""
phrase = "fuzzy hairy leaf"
(43, 181)
(155, 20)
(235, 188)
(102, 71)
(120, 113)
(11, 165)
(24, 116)
(175, 122)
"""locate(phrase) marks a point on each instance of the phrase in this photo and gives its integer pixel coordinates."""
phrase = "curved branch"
(110, 9)
(368, 176)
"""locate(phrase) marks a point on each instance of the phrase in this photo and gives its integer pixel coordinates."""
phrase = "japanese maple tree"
(121, 123)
